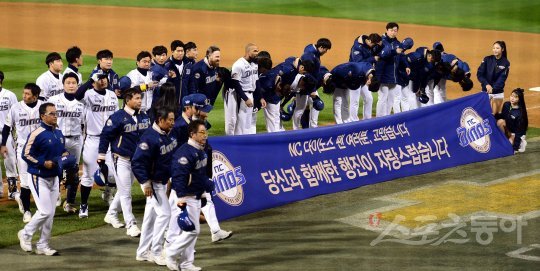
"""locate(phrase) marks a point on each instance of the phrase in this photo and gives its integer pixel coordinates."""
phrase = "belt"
(72, 136)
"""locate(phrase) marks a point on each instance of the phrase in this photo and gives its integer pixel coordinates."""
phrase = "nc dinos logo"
(228, 179)
(474, 131)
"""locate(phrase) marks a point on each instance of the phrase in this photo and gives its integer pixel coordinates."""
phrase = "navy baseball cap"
(201, 102)
(438, 46)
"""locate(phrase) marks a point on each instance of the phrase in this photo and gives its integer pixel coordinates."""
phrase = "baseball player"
(50, 82)
(190, 58)
(42, 153)
(364, 49)
(422, 64)
(104, 66)
(7, 100)
(70, 119)
(267, 85)
(100, 103)
(386, 70)
(142, 77)
(176, 65)
(244, 74)
(318, 49)
(189, 182)
(204, 74)
(121, 133)
(75, 61)
(454, 69)
(23, 117)
(151, 166)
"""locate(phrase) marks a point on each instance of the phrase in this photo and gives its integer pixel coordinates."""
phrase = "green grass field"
(517, 15)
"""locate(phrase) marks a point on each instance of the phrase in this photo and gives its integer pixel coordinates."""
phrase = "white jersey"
(137, 78)
(49, 85)
(7, 100)
(25, 120)
(70, 114)
(97, 110)
(69, 69)
(246, 73)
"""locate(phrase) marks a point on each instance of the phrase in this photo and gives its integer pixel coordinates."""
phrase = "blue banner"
(257, 172)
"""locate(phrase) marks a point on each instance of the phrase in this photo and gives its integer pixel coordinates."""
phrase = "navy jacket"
(113, 80)
(267, 86)
(203, 80)
(360, 52)
(122, 133)
(153, 156)
(44, 143)
(493, 72)
(342, 73)
(386, 67)
(184, 84)
(180, 129)
(421, 70)
(189, 175)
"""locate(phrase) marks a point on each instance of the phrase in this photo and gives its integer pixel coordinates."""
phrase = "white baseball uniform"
(137, 78)
(247, 74)
(355, 95)
(97, 110)
(70, 69)
(341, 105)
(70, 118)
(24, 119)
(385, 101)
(7, 100)
(49, 84)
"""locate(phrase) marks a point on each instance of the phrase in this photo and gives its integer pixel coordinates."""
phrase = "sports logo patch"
(143, 146)
(228, 180)
(197, 75)
(109, 122)
(474, 131)
(183, 161)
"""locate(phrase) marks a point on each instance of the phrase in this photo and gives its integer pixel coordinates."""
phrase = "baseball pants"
(301, 103)
(273, 121)
(183, 246)
(385, 100)
(398, 96)
(341, 105)
(313, 114)
(23, 168)
(430, 92)
(253, 127)
(244, 121)
(90, 155)
(174, 232)
(45, 193)
(439, 92)
(157, 214)
(209, 211)
(74, 147)
(122, 198)
(9, 162)
(231, 112)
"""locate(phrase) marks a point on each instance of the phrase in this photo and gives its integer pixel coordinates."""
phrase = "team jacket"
(493, 72)
(386, 67)
(421, 69)
(44, 143)
(189, 171)
(203, 80)
(287, 71)
(360, 52)
(342, 73)
(152, 158)
(122, 133)
(514, 122)
(449, 58)
(180, 129)
(266, 85)
(310, 48)
(184, 84)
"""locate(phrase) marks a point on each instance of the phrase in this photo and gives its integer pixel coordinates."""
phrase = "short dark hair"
(190, 45)
(1, 77)
(175, 44)
(309, 65)
(375, 38)
(264, 54)
(143, 54)
(104, 54)
(391, 25)
(264, 62)
(324, 43)
(375, 84)
(51, 57)
(33, 88)
(436, 54)
(159, 50)
(73, 53)
(70, 75)
(162, 112)
(212, 49)
(193, 126)
(130, 92)
(43, 108)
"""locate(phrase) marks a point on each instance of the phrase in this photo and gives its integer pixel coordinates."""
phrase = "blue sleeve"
(143, 158)
(501, 78)
(180, 171)
(196, 84)
(236, 85)
(387, 52)
(32, 150)
(111, 130)
(481, 73)
(79, 95)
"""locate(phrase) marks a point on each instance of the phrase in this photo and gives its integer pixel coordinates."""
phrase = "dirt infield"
(126, 31)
